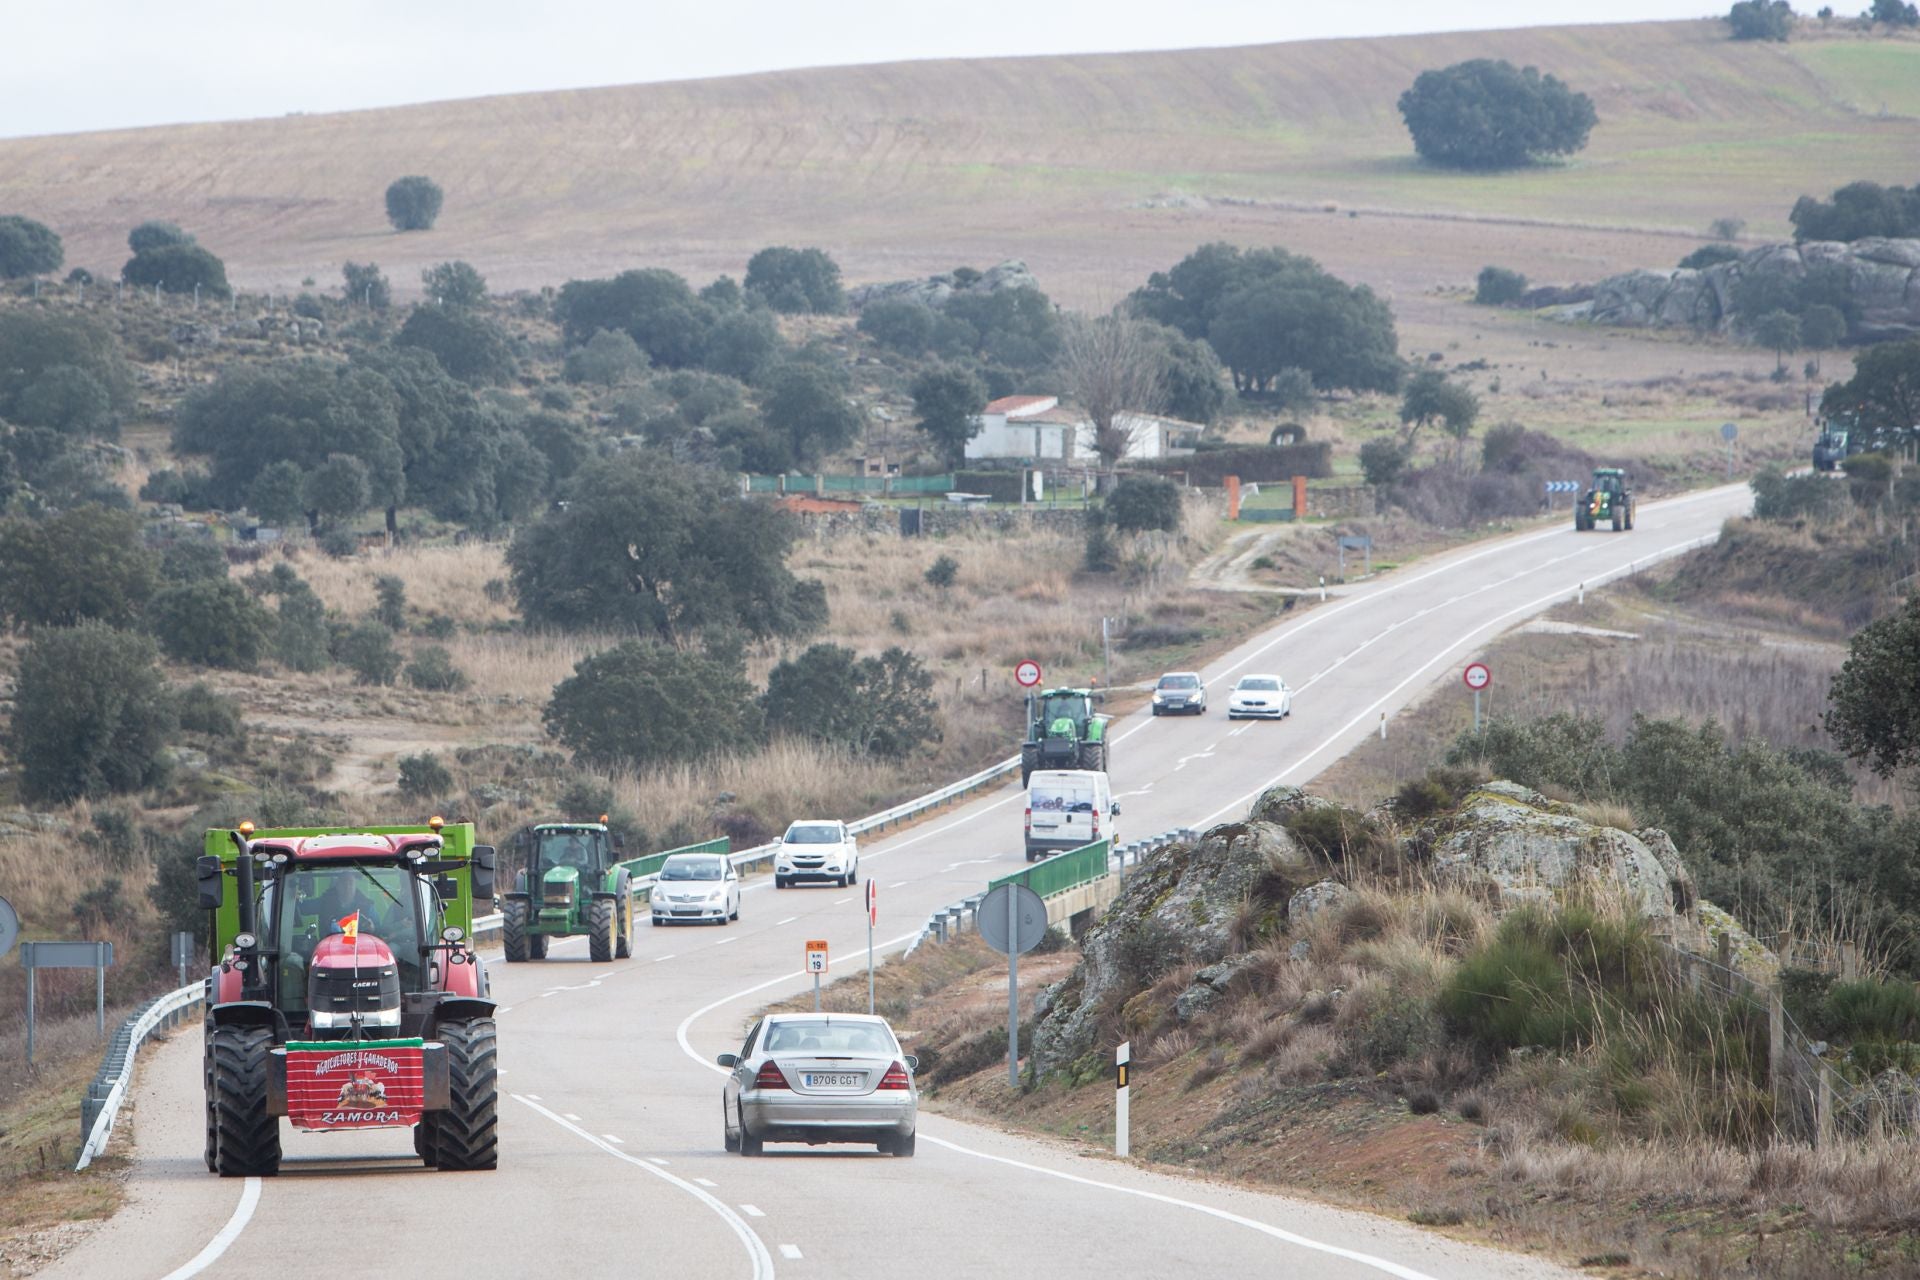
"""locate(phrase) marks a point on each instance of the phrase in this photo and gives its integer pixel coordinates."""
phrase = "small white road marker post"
(1122, 1061)
(1383, 726)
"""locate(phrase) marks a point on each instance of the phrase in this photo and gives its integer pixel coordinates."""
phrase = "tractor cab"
(1063, 732)
(1834, 445)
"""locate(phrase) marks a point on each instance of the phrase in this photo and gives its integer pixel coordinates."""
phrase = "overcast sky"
(75, 65)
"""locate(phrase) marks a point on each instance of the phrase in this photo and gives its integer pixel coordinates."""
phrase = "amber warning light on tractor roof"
(436, 822)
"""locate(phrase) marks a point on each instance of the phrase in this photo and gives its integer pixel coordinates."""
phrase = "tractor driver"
(570, 849)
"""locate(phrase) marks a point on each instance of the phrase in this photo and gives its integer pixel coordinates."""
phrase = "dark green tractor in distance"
(1063, 732)
(571, 881)
(1609, 502)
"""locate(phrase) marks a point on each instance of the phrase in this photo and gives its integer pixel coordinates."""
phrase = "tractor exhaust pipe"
(243, 873)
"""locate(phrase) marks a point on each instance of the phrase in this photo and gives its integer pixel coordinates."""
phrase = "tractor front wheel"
(1093, 756)
(246, 1137)
(513, 929)
(600, 927)
(423, 1142)
(466, 1135)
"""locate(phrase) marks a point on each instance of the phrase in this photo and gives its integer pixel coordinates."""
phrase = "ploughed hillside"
(1095, 169)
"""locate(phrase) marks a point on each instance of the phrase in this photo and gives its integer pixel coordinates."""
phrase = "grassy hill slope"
(1096, 168)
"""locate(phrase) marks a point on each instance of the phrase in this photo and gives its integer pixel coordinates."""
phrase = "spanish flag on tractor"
(349, 925)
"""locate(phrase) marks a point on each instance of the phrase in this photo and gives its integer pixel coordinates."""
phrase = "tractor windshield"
(567, 849)
(1069, 708)
(1607, 483)
(307, 903)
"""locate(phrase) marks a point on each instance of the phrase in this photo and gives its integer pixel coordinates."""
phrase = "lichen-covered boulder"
(1679, 880)
(1520, 846)
(1178, 907)
(1315, 898)
(1208, 986)
(1278, 803)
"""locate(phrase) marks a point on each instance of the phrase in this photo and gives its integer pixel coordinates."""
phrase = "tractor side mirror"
(484, 860)
(206, 875)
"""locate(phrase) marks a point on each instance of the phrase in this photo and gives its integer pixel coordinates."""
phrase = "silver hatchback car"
(820, 1077)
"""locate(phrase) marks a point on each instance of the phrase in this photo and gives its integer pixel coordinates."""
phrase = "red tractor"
(345, 994)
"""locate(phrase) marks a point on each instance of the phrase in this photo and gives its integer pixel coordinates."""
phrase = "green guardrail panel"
(651, 864)
(1063, 871)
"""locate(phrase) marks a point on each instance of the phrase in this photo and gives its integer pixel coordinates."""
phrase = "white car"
(1260, 698)
(696, 888)
(817, 849)
(1180, 691)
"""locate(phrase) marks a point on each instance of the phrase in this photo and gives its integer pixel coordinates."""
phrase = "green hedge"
(1000, 486)
(1261, 463)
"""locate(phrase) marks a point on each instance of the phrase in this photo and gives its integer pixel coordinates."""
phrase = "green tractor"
(1609, 501)
(1063, 732)
(571, 881)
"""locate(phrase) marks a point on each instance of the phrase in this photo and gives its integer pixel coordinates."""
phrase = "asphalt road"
(611, 1160)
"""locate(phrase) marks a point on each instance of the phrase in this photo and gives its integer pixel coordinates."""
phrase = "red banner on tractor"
(342, 1085)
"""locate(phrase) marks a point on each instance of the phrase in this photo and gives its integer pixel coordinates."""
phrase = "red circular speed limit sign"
(1477, 676)
(1027, 673)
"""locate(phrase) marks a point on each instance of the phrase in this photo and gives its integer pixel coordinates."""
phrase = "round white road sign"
(1027, 673)
(1477, 676)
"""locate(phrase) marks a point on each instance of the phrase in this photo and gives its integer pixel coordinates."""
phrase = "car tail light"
(1029, 820)
(770, 1077)
(1096, 824)
(896, 1078)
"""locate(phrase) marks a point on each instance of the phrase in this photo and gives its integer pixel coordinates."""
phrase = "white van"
(1068, 808)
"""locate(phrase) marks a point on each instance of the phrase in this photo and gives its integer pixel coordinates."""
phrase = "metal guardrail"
(101, 1107)
(759, 855)
(1063, 871)
(958, 917)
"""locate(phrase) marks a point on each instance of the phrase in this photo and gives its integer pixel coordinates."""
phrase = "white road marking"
(533, 1097)
(572, 1117)
(752, 1211)
(706, 1182)
(1351, 1255)
(839, 901)
(724, 941)
(242, 1213)
(790, 1251)
(756, 1250)
(788, 920)
(971, 862)
(899, 884)
(657, 1160)
(505, 1008)
(618, 1142)
(658, 959)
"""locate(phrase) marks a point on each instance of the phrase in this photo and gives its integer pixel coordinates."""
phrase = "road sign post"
(816, 965)
(67, 955)
(1013, 919)
(1729, 432)
(1477, 678)
(1122, 1062)
(873, 918)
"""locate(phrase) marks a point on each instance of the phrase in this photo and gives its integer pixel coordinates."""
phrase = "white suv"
(817, 849)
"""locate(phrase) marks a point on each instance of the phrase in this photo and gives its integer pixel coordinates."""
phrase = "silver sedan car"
(819, 1077)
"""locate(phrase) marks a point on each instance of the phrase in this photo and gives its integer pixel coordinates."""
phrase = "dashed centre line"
(790, 1251)
(752, 1211)
(788, 920)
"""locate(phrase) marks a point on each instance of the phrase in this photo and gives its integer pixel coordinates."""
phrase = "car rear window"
(859, 1038)
(817, 834)
(1075, 801)
(1179, 682)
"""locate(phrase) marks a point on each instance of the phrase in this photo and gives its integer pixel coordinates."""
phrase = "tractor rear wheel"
(466, 1135)
(1093, 755)
(1629, 515)
(600, 926)
(623, 918)
(1029, 761)
(246, 1138)
(1616, 519)
(513, 929)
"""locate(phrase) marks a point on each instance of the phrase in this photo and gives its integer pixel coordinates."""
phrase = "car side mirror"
(484, 862)
(728, 1059)
(206, 875)
(1116, 808)
(913, 1062)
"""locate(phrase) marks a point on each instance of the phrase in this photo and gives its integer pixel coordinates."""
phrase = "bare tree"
(1114, 366)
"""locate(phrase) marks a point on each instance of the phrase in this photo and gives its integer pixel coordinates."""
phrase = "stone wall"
(942, 519)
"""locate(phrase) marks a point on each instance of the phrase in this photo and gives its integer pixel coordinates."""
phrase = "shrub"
(28, 248)
(454, 284)
(83, 563)
(1760, 19)
(413, 203)
(899, 324)
(879, 706)
(365, 286)
(942, 572)
(213, 622)
(609, 359)
(795, 281)
(90, 713)
(367, 650)
(199, 708)
(423, 777)
(192, 561)
(433, 669)
(1499, 287)
(178, 268)
(1486, 114)
(390, 602)
(641, 704)
(467, 344)
(1141, 503)
(1383, 460)
(1708, 255)
(1101, 555)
